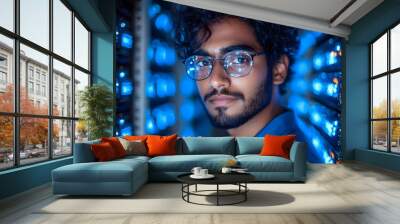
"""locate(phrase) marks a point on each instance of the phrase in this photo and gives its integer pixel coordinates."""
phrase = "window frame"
(388, 74)
(16, 114)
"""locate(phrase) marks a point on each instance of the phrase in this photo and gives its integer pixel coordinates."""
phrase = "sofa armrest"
(83, 152)
(298, 155)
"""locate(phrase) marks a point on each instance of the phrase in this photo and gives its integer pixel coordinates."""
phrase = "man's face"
(230, 101)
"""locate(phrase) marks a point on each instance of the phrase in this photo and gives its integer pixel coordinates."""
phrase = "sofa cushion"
(249, 145)
(111, 171)
(207, 145)
(257, 163)
(185, 163)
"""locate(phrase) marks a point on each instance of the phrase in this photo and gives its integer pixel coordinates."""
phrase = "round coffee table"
(238, 179)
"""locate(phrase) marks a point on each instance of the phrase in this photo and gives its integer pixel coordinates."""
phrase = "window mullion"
(50, 87)
(16, 84)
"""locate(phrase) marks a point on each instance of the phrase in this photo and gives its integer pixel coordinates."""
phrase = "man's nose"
(218, 77)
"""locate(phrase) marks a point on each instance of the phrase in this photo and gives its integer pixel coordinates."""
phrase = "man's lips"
(221, 100)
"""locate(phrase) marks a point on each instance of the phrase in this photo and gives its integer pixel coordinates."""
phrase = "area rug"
(166, 198)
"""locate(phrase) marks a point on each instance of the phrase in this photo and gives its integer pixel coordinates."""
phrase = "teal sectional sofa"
(125, 176)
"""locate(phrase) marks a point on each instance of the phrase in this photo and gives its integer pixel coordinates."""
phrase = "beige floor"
(378, 188)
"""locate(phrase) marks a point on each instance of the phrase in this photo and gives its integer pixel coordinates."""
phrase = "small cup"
(196, 170)
(203, 172)
(226, 170)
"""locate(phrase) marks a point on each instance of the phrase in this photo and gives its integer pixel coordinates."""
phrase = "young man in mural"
(241, 67)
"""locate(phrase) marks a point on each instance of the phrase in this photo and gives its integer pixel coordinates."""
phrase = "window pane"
(379, 135)
(379, 55)
(81, 45)
(7, 14)
(34, 97)
(395, 136)
(81, 131)
(62, 29)
(395, 94)
(62, 89)
(35, 21)
(6, 142)
(81, 81)
(395, 47)
(6, 74)
(62, 138)
(379, 97)
(33, 139)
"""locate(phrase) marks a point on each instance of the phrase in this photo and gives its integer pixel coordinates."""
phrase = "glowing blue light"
(187, 111)
(126, 88)
(164, 55)
(153, 10)
(122, 74)
(338, 47)
(164, 23)
(165, 85)
(150, 124)
(187, 86)
(122, 24)
(126, 40)
(316, 143)
(164, 116)
(150, 89)
(318, 62)
(117, 84)
(298, 104)
(117, 133)
(121, 121)
(126, 131)
(317, 86)
(187, 131)
(332, 58)
(150, 53)
(302, 68)
(331, 90)
(307, 39)
(316, 117)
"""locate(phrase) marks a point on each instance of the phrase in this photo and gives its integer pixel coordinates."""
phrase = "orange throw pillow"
(161, 145)
(277, 145)
(116, 145)
(103, 151)
(135, 138)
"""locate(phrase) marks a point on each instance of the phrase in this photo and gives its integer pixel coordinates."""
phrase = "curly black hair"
(192, 29)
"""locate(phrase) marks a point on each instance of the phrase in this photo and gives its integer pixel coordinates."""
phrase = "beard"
(257, 103)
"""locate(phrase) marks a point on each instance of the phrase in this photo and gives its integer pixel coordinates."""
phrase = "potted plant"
(96, 102)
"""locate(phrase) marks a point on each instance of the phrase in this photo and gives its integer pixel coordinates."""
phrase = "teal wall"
(356, 126)
(99, 15)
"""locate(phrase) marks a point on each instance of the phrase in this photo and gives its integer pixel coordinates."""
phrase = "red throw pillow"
(277, 145)
(116, 145)
(161, 145)
(103, 151)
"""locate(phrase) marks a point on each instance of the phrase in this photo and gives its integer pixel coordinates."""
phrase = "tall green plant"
(96, 102)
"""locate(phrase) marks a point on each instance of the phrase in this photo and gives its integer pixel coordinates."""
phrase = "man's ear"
(280, 70)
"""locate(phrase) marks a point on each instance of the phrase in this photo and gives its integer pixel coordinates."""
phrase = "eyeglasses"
(236, 63)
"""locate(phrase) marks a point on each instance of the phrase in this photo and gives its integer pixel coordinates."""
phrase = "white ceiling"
(324, 16)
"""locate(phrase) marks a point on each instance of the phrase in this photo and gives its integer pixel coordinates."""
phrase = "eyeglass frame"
(213, 59)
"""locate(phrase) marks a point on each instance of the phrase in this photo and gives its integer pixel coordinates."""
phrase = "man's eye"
(203, 63)
(241, 59)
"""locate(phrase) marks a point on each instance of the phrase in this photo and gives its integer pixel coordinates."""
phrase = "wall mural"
(212, 74)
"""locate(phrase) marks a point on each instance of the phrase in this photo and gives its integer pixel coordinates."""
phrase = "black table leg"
(217, 194)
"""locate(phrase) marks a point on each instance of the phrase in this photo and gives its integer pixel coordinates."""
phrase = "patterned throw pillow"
(136, 147)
